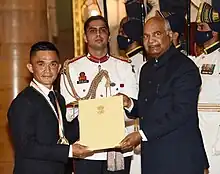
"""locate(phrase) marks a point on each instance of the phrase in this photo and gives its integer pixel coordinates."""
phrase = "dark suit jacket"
(34, 130)
(167, 107)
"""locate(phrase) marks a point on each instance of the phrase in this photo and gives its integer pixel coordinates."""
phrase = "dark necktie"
(62, 138)
(52, 97)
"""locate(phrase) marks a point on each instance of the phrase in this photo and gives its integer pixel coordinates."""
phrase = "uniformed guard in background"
(131, 44)
(96, 75)
(207, 35)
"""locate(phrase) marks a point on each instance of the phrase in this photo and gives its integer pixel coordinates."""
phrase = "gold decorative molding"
(78, 27)
(52, 20)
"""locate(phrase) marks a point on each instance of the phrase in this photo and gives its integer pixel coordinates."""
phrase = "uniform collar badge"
(82, 78)
(133, 68)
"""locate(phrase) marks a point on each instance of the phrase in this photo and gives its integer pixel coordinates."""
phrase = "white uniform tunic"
(86, 67)
(210, 94)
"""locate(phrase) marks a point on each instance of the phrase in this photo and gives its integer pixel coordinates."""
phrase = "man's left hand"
(80, 151)
(130, 142)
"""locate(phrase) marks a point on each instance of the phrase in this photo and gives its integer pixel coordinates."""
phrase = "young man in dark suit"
(171, 141)
(42, 138)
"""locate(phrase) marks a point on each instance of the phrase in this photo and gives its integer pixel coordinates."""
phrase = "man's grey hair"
(167, 25)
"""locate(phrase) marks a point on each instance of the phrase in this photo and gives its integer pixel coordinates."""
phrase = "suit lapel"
(44, 100)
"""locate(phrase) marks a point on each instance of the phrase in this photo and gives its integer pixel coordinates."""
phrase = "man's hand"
(130, 142)
(206, 171)
(80, 151)
(126, 100)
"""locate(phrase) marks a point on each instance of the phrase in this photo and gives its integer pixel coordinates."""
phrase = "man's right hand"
(126, 100)
(81, 151)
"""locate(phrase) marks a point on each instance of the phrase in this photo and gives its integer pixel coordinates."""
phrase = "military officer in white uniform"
(207, 35)
(96, 75)
(129, 40)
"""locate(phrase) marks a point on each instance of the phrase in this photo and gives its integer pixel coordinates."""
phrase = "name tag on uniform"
(207, 69)
(82, 78)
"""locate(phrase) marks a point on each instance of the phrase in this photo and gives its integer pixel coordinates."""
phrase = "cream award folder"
(101, 122)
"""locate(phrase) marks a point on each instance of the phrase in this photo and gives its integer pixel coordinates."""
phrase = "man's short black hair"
(43, 46)
(94, 18)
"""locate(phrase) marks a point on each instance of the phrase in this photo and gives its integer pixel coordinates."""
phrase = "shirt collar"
(40, 87)
(134, 51)
(97, 60)
(212, 47)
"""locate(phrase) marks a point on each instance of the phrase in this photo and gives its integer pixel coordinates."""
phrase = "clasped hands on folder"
(127, 144)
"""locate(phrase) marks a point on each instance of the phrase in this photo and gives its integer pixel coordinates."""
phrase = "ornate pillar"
(78, 27)
(52, 20)
(22, 23)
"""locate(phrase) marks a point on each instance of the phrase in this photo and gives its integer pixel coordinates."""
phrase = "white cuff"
(70, 152)
(143, 136)
(71, 113)
(131, 107)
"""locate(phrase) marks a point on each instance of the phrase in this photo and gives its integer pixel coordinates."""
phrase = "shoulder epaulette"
(212, 48)
(124, 59)
(68, 61)
(134, 51)
(75, 58)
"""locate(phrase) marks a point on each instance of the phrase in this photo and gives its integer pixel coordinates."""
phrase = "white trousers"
(136, 164)
(209, 125)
